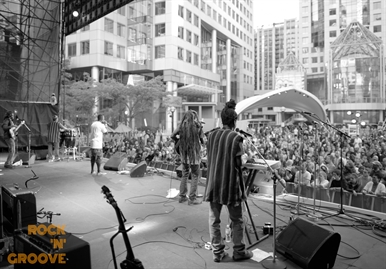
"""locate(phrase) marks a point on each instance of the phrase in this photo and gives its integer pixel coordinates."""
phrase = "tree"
(135, 99)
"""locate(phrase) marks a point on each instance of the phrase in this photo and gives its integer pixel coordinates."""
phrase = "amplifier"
(76, 251)
(19, 208)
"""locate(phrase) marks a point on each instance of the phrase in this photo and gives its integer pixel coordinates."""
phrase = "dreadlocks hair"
(228, 114)
(189, 136)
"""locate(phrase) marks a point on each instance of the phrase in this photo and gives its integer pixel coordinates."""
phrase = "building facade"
(203, 50)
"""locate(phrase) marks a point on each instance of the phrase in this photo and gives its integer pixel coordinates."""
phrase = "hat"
(53, 94)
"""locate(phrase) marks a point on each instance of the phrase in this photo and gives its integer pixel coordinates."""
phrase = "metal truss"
(30, 49)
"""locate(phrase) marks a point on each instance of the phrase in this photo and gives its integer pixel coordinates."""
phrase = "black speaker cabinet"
(138, 170)
(76, 250)
(117, 162)
(308, 244)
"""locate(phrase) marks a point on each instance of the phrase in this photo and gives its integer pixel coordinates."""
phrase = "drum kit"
(70, 139)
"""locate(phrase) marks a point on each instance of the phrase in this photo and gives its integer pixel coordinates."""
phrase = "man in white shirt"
(98, 128)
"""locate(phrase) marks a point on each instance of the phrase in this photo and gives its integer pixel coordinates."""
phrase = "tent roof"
(122, 129)
(289, 97)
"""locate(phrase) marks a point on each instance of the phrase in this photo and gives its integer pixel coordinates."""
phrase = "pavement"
(166, 233)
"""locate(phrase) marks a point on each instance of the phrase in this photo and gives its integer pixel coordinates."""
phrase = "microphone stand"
(271, 263)
(29, 144)
(342, 136)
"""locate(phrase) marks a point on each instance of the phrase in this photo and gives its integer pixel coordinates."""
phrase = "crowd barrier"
(333, 195)
(365, 201)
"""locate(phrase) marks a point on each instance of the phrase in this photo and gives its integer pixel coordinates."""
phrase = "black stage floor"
(165, 234)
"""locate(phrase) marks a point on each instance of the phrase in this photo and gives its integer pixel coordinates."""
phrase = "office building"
(203, 50)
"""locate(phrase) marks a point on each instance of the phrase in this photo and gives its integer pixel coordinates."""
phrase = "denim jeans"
(11, 151)
(195, 168)
(237, 226)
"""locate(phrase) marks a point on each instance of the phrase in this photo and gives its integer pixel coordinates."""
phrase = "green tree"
(135, 99)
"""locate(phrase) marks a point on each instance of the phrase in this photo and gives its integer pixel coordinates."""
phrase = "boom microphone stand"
(274, 262)
(342, 136)
(29, 144)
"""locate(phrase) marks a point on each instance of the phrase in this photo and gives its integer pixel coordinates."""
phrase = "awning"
(197, 90)
(290, 97)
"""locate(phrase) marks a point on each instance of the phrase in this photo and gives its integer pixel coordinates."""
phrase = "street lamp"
(172, 109)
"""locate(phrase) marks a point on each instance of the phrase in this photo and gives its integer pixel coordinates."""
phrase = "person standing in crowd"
(191, 136)
(225, 185)
(54, 128)
(98, 128)
(10, 139)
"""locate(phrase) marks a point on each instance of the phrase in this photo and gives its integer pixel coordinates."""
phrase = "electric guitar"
(130, 262)
(13, 130)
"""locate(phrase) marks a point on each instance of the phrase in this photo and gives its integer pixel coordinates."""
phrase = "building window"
(202, 6)
(305, 60)
(121, 52)
(189, 16)
(160, 51)
(160, 29)
(189, 56)
(305, 41)
(109, 25)
(86, 28)
(209, 11)
(108, 48)
(377, 5)
(181, 11)
(314, 60)
(322, 69)
(71, 49)
(321, 59)
(214, 14)
(196, 59)
(189, 36)
(122, 11)
(196, 40)
(181, 32)
(378, 17)
(377, 28)
(332, 22)
(219, 19)
(160, 8)
(196, 20)
(332, 33)
(314, 69)
(305, 50)
(224, 22)
(269, 108)
(132, 34)
(332, 11)
(196, 3)
(120, 30)
(180, 53)
(85, 47)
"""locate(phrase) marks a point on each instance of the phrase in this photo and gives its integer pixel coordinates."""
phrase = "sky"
(267, 12)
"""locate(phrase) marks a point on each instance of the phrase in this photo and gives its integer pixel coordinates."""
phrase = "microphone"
(243, 132)
(208, 132)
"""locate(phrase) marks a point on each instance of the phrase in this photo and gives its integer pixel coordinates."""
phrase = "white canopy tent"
(290, 97)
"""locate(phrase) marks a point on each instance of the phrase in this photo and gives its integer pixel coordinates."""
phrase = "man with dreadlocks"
(191, 136)
(225, 185)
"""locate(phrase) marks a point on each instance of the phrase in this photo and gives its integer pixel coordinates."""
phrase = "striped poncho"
(224, 184)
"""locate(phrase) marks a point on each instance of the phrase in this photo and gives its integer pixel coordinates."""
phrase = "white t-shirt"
(97, 131)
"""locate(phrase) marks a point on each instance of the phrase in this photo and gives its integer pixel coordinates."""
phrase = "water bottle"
(228, 234)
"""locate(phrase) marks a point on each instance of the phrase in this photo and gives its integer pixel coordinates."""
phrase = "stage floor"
(165, 234)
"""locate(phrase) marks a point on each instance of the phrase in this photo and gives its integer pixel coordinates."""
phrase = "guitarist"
(11, 140)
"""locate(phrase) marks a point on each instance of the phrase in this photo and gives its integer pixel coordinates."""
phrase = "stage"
(165, 233)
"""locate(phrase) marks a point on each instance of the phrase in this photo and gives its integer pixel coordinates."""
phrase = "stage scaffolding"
(30, 45)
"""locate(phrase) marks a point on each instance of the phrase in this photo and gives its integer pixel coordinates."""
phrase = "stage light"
(75, 13)
(349, 112)
(357, 114)
(363, 123)
(354, 121)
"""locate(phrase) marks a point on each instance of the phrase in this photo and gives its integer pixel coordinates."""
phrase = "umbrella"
(122, 129)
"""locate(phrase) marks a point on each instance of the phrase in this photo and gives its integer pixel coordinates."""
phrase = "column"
(95, 77)
(214, 51)
(229, 71)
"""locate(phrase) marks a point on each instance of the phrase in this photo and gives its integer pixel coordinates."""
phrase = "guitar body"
(13, 131)
(132, 264)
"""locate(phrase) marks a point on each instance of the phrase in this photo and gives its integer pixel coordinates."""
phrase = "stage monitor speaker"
(26, 159)
(138, 170)
(308, 244)
(76, 251)
(41, 154)
(117, 162)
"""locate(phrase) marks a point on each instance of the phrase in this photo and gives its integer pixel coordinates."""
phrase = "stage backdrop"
(36, 116)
